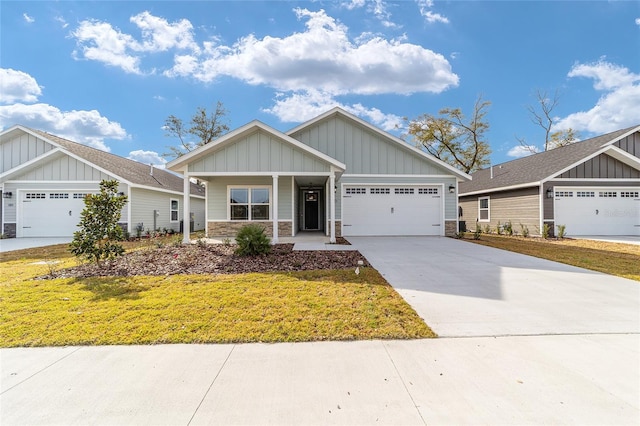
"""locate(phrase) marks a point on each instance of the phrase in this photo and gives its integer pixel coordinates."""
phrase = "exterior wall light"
(7, 194)
(549, 192)
(452, 189)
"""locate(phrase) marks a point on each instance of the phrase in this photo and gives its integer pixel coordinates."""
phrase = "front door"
(311, 209)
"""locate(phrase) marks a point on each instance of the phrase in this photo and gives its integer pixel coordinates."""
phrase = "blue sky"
(109, 73)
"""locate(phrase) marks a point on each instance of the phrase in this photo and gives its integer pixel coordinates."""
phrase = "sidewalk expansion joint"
(211, 385)
(41, 370)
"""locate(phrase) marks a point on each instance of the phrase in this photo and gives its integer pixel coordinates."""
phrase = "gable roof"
(124, 169)
(537, 168)
(180, 163)
(337, 111)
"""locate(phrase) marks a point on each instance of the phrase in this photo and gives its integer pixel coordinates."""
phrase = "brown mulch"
(212, 259)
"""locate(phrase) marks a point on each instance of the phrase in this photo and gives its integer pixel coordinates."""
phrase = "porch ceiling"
(311, 180)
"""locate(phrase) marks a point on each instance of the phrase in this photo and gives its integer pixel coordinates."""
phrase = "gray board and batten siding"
(22, 149)
(259, 152)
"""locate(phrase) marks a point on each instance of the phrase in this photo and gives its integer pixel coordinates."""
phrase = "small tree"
(99, 229)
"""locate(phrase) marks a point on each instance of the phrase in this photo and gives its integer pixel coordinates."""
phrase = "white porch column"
(186, 207)
(332, 207)
(274, 209)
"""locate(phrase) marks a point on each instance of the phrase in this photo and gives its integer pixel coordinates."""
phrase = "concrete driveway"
(11, 244)
(464, 289)
(574, 360)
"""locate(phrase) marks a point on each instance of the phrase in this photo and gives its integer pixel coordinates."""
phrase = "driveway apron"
(464, 289)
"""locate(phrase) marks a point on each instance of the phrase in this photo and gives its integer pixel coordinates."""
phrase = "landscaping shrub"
(477, 232)
(562, 231)
(99, 231)
(546, 230)
(252, 241)
(525, 230)
(508, 228)
(499, 228)
(487, 229)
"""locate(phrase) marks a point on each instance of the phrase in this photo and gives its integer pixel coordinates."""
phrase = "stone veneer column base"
(230, 229)
(450, 229)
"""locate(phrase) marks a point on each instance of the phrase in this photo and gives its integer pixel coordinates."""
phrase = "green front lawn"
(618, 259)
(265, 307)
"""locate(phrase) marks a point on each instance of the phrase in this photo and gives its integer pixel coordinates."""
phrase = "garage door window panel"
(483, 209)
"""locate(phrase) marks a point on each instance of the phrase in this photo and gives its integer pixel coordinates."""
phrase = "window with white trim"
(249, 203)
(483, 209)
(174, 215)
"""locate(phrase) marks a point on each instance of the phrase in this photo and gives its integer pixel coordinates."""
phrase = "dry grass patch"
(618, 259)
(256, 307)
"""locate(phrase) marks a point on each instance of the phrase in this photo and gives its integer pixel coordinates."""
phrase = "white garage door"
(391, 210)
(50, 213)
(598, 211)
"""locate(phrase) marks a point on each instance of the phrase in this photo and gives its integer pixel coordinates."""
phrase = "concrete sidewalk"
(10, 244)
(586, 379)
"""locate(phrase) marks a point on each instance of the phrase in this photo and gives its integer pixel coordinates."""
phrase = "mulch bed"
(212, 259)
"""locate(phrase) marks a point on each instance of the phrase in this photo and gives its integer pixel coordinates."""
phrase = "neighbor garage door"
(598, 211)
(49, 213)
(391, 210)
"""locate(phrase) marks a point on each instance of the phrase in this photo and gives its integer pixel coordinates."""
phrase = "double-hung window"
(249, 203)
(483, 209)
(173, 210)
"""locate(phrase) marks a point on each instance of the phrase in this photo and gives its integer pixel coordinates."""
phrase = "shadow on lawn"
(106, 288)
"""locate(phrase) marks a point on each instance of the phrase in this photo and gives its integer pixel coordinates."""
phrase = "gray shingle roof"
(130, 170)
(537, 167)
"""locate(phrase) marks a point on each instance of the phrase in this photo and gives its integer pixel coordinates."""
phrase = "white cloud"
(520, 151)
(638, 21)
(618, 106)
(148, 157)
(28, 19)
(18, 86)
(303, 106)
(63, 23)
(425, 7)
(99, 41)
(323, 58)
(354, 4)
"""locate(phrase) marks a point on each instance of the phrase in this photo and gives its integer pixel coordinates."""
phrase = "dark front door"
(311, 210)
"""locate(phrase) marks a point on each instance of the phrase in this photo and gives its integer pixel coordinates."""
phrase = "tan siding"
(519, 207)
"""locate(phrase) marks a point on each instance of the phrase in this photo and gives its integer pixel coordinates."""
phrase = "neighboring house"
(334, 174)
(44, 178)
(591, 187)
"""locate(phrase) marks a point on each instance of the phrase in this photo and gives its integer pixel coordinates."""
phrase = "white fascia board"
(501, 189)
(167, 191)
(594, 180)
(355, 175)
(28, 164)
(612, 151)
(630, 132)
(270, 174)
(181, 163)
(402, 143)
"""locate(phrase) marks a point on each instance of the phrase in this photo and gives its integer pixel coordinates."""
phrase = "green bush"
(487, 229)
(99, 231)
(499, 228)
(252, 241)
(477, 232)
(562, 231)
(546, 231)
(508, 228)
(525, 230)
